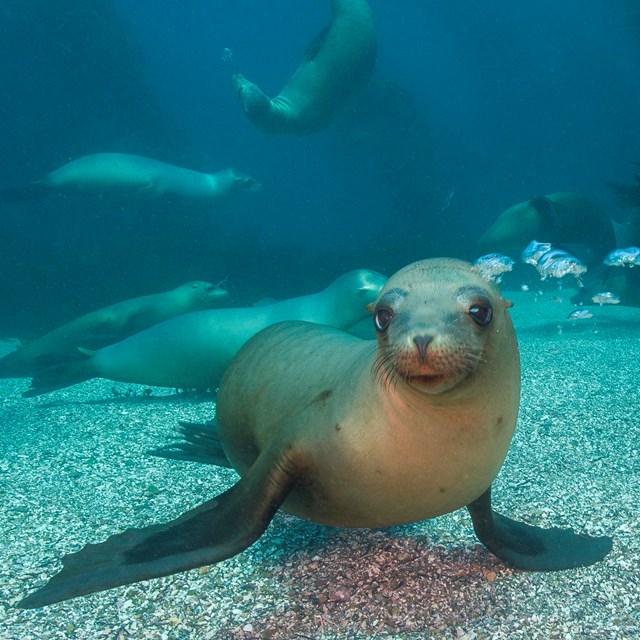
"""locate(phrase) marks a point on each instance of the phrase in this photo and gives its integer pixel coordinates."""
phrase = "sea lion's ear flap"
(214, 531)
(507, 303)
(371, 307)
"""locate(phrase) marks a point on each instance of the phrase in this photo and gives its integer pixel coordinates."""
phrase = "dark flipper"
(201, 444)
(214, 531)
(61, 375)
(531, 548)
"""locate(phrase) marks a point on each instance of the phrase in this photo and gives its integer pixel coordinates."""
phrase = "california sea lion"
(108, 325)
(193, 350)
(135, 176)
(563, 219)
(337, 64)
(351, 433)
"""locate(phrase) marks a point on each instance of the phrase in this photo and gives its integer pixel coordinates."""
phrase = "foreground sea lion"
(193, 350)
(135, 176)
(355, 433)
(108, 325)
(564, 219)
(337, 64)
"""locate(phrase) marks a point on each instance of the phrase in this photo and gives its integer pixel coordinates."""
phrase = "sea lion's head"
(353, 294)
(203, 295)
(437, 322)
(242, 182)
(255, 103)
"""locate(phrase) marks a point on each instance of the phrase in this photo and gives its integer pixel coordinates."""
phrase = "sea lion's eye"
(382, 318)
(481, 314)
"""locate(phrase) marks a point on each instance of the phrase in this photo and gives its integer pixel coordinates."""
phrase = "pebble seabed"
(74, 469)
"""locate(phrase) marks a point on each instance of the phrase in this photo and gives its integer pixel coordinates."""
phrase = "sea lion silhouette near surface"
(337, 64)
(564, 219)
(108, 325)
(124, 174)
(193, 350)
(356, 433)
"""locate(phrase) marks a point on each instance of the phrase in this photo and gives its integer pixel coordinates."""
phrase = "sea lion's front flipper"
(531, 548)
(214, 531)
(198, 442)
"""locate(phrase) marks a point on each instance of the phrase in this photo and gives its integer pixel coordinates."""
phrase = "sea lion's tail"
(62, 375)
(30, 191)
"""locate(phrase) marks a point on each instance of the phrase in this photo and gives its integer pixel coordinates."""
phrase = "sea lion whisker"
(384, 373)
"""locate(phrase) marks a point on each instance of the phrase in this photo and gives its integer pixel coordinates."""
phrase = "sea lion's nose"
(422, 342)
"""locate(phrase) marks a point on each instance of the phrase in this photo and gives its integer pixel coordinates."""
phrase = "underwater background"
(472, 108)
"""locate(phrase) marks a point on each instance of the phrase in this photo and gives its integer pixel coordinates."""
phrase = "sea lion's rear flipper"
(214, 531)
(54, 373)
(199, 442)
(532, 548)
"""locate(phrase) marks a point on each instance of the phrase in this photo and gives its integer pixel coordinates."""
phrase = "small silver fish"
(580, 314)
(557, 264)
(605, 297)
(623, 257)
(534, 251)
(493, 265)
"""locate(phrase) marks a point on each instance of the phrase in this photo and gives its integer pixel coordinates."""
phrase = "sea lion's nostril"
(422, 342)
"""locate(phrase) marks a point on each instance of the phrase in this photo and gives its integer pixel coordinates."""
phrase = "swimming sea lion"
(355, 433)
(337, 64)
(135, 176)
(108, 325)
(563, 219)
(193, 350)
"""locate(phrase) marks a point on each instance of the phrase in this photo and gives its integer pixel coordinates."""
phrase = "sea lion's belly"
(383, 467)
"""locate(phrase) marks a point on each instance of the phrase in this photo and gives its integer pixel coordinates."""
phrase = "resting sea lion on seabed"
(347, 432)
(108, 325)
(123, 174)
(568, 220)
(193, 350)
(335, 67)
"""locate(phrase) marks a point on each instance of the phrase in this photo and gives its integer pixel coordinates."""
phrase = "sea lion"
(335, 67)
(108, 325)
(564, 219)
(123, 174)
(193, 350)
(355, 433)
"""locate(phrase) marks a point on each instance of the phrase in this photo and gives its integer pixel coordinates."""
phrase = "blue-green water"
(494, 103)
(470, 110)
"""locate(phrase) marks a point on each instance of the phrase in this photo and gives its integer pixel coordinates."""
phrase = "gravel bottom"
(74, 470)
